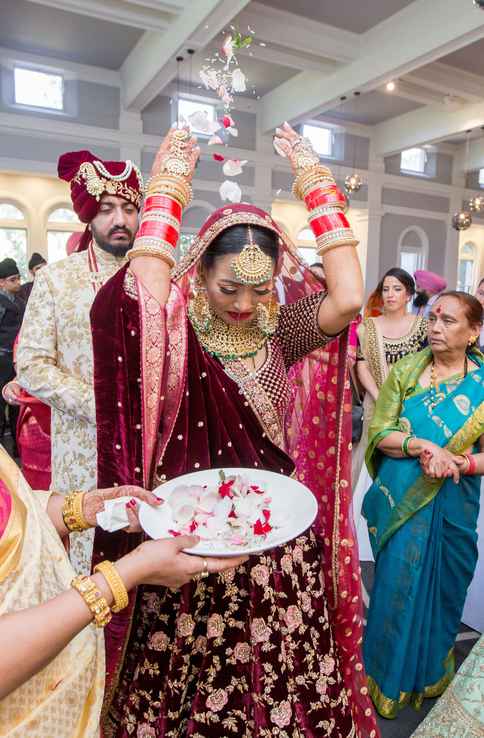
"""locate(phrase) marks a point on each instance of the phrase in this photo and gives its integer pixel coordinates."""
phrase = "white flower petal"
(232, 168)
(233, 131)
(238, 81)
(200, 120)
(230, 191)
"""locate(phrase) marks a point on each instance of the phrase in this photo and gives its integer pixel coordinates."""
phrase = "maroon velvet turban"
(91, 178)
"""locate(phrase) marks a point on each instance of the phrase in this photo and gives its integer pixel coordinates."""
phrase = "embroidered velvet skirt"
(248, 653)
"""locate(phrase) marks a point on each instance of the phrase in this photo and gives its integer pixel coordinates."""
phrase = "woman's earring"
(199, 310)
(472, 341)
(267, 317)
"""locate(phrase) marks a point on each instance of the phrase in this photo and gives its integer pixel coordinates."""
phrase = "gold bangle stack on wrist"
(116, 584)
(93, 598)
(307, 179)
(72, 512)
(173, 186)
(326, 207)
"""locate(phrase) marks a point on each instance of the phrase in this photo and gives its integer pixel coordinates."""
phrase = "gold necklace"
(434, 387)
(231, 342)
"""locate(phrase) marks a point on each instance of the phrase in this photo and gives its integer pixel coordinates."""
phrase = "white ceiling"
(372, 108)
(470, 58)
(58, 34)
(351, 15)
(304, 51)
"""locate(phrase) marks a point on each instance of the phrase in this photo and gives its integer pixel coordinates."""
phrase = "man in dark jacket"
(11, 313)
(36, 262)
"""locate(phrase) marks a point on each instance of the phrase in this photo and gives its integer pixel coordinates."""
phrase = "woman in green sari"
(425, 455)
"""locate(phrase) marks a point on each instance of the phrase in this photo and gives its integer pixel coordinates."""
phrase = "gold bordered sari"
(64, 699)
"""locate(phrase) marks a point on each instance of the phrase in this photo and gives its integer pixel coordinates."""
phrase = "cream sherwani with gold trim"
(55, 364)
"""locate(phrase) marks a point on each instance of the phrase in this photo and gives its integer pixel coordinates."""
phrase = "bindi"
(438, 309)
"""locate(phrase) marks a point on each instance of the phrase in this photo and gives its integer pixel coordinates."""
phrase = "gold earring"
(267, 317)
(199, 311)
(472, 341)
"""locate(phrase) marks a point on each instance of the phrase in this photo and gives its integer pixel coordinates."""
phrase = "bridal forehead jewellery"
(252, 266)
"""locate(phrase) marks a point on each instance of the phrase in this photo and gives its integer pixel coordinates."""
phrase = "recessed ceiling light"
(390, 86)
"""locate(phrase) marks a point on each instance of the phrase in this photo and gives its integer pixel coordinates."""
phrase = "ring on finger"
(204, 572)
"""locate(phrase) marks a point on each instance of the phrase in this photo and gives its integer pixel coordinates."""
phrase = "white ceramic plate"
(289, 497)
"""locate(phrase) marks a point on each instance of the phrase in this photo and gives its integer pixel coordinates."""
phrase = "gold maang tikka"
(252, 266)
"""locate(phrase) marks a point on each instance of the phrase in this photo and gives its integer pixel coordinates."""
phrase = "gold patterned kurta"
(55, 364)
(63, 700)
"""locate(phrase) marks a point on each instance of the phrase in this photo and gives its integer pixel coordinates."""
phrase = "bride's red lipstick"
(239, 316)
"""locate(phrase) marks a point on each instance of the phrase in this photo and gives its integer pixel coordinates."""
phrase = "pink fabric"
(5, 507)
(319, 442)
(429, 281)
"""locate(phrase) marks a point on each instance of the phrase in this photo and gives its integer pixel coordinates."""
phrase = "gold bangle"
(309, 178)
(178, 188)
(93, 597)
(116, 585)
(335, 238)
(72, 512)
(155, 251)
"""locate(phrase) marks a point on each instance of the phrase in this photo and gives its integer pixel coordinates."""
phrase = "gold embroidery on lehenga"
(258, 398)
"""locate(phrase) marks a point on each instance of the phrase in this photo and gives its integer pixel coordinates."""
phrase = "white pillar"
(131, 131)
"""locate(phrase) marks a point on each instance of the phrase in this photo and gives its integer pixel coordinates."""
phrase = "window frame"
(330, 132)
(473, 258)
(422, 250)
(201, 103)
(66, 226)
(15, 224)
(414, 172)
(33, 106)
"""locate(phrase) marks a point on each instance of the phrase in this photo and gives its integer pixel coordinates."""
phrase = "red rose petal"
(218, 157)
(174, 533)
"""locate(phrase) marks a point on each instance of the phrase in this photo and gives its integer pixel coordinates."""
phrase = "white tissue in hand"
(114, 516)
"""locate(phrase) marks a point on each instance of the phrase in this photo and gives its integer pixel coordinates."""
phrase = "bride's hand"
(179, 145)
(93, 503)
(299, 151)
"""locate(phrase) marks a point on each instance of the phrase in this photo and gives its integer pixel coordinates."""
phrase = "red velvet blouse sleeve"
(298, 332)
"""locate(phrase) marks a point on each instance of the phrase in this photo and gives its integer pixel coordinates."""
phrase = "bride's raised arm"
(168, 193)
(315, 185)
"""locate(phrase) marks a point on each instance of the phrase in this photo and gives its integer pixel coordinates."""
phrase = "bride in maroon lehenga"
(273, 647)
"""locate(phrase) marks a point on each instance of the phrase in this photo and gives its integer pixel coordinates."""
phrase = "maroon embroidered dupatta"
(174, 429)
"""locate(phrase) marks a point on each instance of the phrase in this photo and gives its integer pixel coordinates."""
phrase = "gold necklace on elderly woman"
(231, 342)
(437, 396)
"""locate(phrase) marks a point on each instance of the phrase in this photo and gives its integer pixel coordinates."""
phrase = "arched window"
(413, 249)
(61, 223)
(306, 245)
(466, 271)
(14, 236)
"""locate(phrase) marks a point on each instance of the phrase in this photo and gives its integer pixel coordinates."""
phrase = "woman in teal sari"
(425, 457)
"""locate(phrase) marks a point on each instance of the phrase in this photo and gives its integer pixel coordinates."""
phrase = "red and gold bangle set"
(326, 205)
(159, 230)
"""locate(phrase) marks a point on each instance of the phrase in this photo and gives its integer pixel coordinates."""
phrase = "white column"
(452, 243)
(131, 132)
(375, 214)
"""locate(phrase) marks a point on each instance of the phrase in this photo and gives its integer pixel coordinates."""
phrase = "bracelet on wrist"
(93, 597)
(471, 464)
(116, 585)
(405, 443)
(72, 512)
